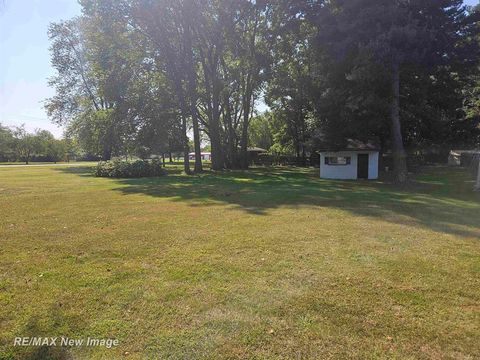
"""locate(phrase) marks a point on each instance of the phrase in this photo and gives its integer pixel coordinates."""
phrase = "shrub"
(129, 169)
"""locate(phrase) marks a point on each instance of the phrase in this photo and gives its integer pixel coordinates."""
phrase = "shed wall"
(348, 172)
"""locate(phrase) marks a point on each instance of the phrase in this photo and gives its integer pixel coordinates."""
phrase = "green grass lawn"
(266, 264)
(34, 163)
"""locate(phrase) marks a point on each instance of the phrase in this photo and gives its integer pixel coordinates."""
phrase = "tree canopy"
(143, 77)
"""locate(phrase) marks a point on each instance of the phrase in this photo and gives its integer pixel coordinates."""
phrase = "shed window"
(338, 160)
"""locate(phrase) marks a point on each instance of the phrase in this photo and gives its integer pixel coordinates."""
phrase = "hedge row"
(130, 169)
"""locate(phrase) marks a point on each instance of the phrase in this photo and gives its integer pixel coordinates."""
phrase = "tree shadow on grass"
(40, 328)
(84, 171)
(440, 198)
(89, 170)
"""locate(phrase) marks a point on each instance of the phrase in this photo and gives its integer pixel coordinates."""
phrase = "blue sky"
(25, 60)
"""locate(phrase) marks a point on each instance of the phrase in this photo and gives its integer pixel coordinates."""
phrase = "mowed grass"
(266, 264)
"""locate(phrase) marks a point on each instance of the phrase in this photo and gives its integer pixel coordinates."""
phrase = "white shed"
(356, 161)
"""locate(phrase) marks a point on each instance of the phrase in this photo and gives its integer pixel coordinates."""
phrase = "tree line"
(143, 76)
(17, 144)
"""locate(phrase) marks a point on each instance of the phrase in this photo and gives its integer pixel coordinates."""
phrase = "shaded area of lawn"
(440, 198)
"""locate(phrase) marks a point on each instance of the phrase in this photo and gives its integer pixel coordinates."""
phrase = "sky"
(25, 59)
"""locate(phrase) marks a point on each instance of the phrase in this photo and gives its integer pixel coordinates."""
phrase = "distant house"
(204, 155)
(357, 160)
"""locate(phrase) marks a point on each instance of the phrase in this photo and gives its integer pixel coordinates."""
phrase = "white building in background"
(356, 161)
(205, 156)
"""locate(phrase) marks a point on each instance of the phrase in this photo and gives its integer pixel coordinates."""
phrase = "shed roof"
(354, 145)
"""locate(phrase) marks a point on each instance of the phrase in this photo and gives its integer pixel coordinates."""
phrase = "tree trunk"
(217, 161)
(217, 158)
(212, 95)
(246, 117)
(107, 152)
(170, 160)
(196, 140)
(215, 141)
(244, 143)
(192, 95)
(186, 147)
(231, 143)
(399, 155)
(183, 113)
(477, 185)
(191, 73)
(232, 149)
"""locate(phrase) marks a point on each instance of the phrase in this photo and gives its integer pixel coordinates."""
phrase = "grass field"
(266, 264)
(39, 163)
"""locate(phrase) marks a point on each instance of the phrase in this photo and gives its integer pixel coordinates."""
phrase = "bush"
(129, 169)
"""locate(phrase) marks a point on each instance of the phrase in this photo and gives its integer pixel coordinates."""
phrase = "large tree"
(78, 96)
(169, 27)
(110, 88)
(232, 50)
(288, 89)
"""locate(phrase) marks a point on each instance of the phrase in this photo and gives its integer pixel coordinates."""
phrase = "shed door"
(362, 166)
